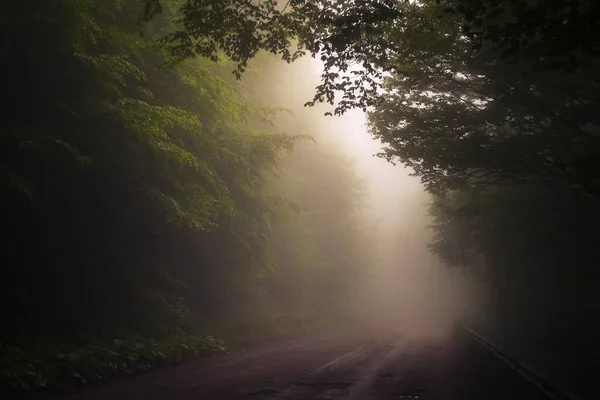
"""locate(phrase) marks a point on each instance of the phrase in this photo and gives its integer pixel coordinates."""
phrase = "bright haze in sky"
(409, 282)
(391, 188)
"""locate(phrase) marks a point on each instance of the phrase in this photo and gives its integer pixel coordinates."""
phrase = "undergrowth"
(96, 358)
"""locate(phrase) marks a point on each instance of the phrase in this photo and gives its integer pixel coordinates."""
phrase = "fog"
(409, 286)
(404, 284)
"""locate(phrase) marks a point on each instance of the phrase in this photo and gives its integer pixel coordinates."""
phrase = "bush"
(97, 358)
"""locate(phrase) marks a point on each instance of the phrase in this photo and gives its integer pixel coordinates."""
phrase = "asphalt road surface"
(361, 364)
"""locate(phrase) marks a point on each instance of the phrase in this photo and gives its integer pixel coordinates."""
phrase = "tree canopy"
(344, 33)
(501, 68)
(149, 196)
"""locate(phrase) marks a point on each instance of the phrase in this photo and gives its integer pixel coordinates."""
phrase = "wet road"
(359, 365)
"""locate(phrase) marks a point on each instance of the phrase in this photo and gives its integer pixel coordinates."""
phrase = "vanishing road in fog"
(368, 364)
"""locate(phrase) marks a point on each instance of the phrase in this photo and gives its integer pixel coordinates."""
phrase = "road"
(364, 364)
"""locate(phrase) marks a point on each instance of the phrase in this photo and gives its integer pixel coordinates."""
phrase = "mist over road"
(358, 364)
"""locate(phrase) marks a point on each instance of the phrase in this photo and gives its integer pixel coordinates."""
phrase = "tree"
(119, 160)
(516, 103)
(340, 32)
(534, 248)
(538, 34)
(144, 196)
(548, 35)
(461, 117)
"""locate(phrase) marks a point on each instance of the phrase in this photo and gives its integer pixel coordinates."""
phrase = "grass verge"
(97, 358)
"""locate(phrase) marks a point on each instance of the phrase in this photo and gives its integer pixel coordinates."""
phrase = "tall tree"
(461, 117)
(165, 157)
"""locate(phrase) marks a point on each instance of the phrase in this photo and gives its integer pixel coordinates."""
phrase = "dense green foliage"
(149, 198)
(556, 35)
(97, 358)
(340, 32)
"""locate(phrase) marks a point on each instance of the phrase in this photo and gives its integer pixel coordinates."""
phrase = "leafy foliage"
(459, 117)
(102, 358)
(549, 35)
(340, 32)
(145, 196)
(538, 35)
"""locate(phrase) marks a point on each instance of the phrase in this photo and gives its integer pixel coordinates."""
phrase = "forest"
(158, 173)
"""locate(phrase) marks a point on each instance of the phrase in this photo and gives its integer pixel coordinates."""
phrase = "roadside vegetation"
(157, 211)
